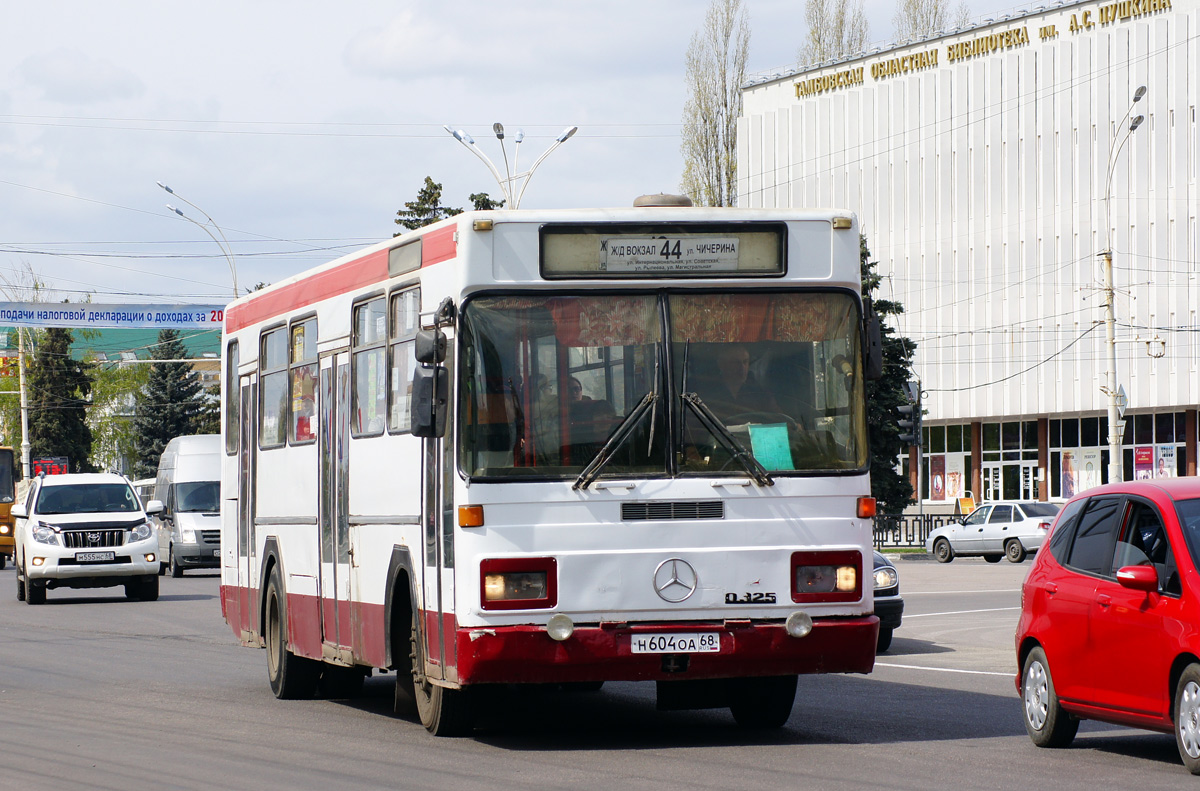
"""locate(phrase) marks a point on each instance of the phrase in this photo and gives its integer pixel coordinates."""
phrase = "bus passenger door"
(247, 463)
(437, 484)
(334, 527)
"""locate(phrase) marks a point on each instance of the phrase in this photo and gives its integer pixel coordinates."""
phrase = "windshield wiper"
(725, 436)
(615, 440)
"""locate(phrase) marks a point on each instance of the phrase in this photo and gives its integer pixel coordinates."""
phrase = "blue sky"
(302, 127)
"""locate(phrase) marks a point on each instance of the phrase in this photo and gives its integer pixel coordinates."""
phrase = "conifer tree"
(169, 406)
(59, 388)
(889, 486)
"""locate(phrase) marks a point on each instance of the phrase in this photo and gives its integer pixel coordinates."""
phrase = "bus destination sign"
(666, 254)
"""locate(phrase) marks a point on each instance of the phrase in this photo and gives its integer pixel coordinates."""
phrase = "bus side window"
(369, 377)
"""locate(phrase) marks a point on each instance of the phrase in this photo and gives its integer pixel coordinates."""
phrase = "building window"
(946, 463)
(369, 382)
(272, 389)
(302, 428)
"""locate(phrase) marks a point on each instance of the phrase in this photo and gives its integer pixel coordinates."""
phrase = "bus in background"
(527, 447)
(10, 475)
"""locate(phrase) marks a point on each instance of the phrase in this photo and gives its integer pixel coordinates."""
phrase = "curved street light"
(1116, 410)
(508, 181)
(221, 243)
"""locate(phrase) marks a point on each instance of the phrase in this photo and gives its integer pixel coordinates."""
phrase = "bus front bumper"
(527, 654)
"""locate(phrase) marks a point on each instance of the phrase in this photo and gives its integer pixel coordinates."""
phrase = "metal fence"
(908, 530)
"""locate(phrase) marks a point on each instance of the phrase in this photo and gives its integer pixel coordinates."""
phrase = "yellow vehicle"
(10, 473)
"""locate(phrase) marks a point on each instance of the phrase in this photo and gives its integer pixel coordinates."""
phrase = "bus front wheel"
(443, 712)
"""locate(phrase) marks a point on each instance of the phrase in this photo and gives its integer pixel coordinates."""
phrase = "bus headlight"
(826, 576)
(5, 530)
(518, 583)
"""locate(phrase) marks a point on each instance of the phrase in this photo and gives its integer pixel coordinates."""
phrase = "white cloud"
(71, 77)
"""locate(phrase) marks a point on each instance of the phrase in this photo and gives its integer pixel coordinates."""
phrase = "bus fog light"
(560, 627)
(847, 578)
(798, 624)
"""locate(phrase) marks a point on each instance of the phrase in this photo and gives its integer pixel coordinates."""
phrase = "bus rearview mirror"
(430, 346)
(430, 395)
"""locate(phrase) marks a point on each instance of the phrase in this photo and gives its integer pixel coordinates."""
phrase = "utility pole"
(24, 404)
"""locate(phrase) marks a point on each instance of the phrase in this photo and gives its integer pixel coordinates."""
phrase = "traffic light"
(910, 416)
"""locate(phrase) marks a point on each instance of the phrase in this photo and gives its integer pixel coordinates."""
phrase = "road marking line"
(943, 593)
(958, 612)
(947, 670)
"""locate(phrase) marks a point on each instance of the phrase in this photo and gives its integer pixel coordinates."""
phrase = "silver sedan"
(994, 530)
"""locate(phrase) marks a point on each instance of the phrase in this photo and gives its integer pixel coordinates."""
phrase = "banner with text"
(92, 316)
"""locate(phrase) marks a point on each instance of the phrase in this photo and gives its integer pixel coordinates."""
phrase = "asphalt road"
(98, 692)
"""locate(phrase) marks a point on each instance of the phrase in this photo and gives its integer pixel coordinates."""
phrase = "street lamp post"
(222, 243)
(1116, 407)
(508, 182)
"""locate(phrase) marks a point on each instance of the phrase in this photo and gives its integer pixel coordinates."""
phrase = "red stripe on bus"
(371, 268)
(438, 246)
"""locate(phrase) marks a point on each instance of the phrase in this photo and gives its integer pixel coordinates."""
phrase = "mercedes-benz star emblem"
(675, 580)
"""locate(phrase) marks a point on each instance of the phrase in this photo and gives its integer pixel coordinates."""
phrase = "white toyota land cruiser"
(85, 531)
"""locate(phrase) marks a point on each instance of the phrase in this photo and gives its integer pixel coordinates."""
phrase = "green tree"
(169, 404)
(715, 68)
(209, 419)
(428, 209)
(114, 400)
(890, 487)
(481, 201)
(58, 392)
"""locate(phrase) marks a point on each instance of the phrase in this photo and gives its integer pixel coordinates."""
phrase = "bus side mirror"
(872, 342)
(430, 395)
(430, 346)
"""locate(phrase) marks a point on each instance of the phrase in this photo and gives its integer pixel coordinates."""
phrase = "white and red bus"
(528, 447)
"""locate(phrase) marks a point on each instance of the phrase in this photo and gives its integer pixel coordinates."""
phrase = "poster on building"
(1165, 464)
(937, 477)
(1143, 463)
(1089, 469)
(955, 476)
(1068, 473)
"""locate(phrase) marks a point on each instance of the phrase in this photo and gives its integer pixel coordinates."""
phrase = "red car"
(1110, 616)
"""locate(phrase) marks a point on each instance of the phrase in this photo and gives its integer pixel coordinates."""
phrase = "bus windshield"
(546, 380)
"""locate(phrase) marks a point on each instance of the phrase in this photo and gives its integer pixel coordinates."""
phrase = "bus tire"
(762, 703)
(443, 712)
(292, 677)
(3, 561)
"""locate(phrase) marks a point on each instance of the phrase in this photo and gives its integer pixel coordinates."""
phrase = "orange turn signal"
(470, 516)
(866, 507)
